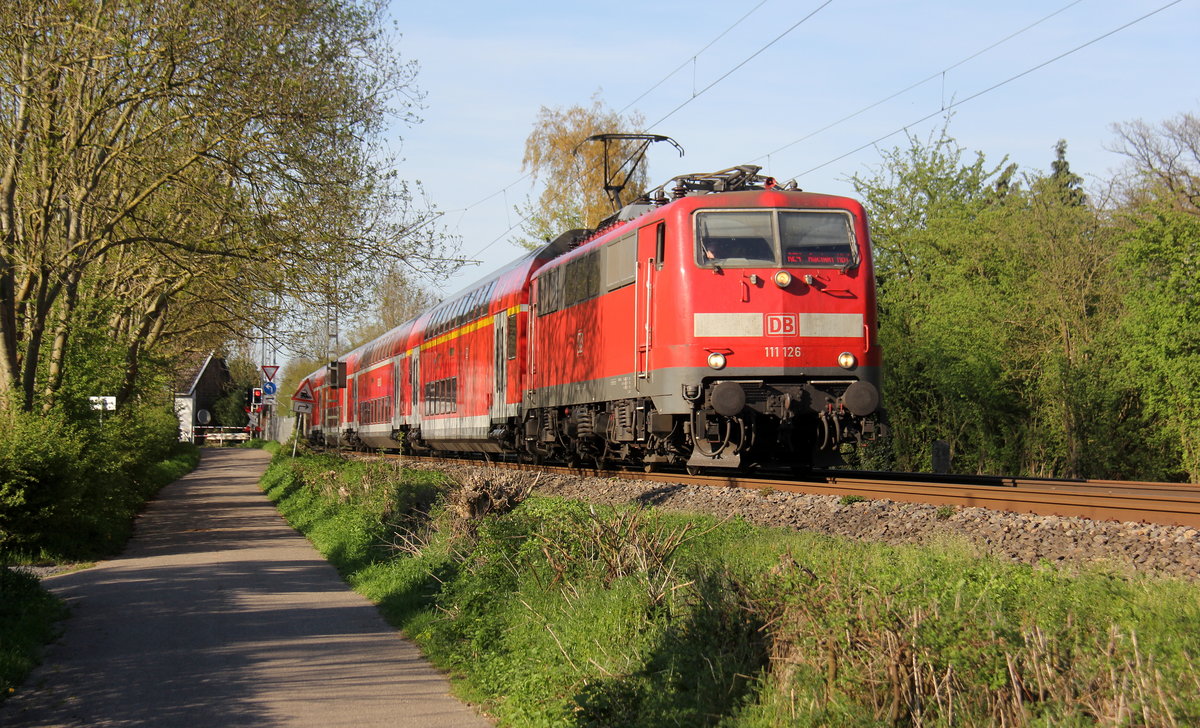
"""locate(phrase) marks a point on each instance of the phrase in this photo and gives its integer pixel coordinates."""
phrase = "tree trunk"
(145, 337)
(9, 360)
(58, 351)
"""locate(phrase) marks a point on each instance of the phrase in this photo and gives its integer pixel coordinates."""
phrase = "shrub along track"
(1130, 528)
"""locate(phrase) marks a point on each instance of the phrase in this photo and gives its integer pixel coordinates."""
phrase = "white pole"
(297, 426)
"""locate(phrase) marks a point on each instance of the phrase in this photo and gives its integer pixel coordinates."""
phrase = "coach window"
(486, 302)
(439, 320)
(511, 336)
(469, 306)
(464, 314)
(481, 305)
(572, 283)
(476, 301)
(735, 239)
(460, 308)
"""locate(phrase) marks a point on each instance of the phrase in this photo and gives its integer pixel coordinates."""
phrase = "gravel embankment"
(1123, 548)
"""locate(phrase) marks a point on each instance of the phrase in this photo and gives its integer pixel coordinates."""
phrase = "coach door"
(400, 377)
(533, 380)
(650, 249)
(499, 394)
(414, 382)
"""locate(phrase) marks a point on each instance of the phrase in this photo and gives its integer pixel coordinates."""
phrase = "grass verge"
(27, 621)
(554, 612)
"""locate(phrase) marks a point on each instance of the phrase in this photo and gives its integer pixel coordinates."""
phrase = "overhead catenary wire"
(942, 73)
(692, 59)
(759, 51)
(989, 89)
(730, 72)
(943, 107)
(695, 94)
(626, 107)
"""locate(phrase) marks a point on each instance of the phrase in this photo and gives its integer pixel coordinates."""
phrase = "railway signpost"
(304, 394)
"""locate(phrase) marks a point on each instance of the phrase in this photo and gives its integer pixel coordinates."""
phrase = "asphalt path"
(219, 614)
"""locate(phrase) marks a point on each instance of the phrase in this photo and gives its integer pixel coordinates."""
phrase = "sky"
(772, 83)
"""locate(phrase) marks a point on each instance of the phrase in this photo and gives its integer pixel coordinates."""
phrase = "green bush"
(42, 477)
(69, 488)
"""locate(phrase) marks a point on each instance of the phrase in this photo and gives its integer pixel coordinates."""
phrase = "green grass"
(554, 612)
(270, 446)
(27, 621)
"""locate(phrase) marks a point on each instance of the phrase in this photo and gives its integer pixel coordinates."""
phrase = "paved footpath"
(219, 614)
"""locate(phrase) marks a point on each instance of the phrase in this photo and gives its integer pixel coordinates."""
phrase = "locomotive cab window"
(816, 239)
(769, 238)
(735, 239)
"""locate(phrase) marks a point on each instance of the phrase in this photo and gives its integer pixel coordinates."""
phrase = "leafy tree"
(1161, 261)
(996, 301)
(166, 166)
(943, 378)
(1062, 181)
(1164, 162)
(1162, 342)
(1060, 300)
(230, 409)
(397, 299)
(572, 171)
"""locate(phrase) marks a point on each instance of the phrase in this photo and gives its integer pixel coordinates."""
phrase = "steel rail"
(1172, 504)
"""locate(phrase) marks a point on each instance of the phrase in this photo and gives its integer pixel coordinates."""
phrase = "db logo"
(782, 324)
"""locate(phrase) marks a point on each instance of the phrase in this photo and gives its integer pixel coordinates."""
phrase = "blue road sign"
(269, 387)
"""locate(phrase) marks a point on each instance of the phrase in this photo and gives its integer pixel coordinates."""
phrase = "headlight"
(846, 360)
(783, 279)
(716, 360)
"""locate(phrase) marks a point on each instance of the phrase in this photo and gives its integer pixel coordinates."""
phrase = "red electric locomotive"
(732, 324)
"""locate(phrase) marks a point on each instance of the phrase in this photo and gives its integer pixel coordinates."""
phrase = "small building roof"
(189, 377)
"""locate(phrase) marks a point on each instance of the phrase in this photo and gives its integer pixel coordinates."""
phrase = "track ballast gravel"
(1127, 548)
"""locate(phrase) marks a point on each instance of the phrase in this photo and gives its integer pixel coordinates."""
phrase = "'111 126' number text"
(777, 351)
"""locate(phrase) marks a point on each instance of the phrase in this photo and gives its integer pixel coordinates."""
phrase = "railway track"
(1171, 504)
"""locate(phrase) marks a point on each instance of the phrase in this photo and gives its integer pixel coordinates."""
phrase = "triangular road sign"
(305, 393)
(269, 370)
